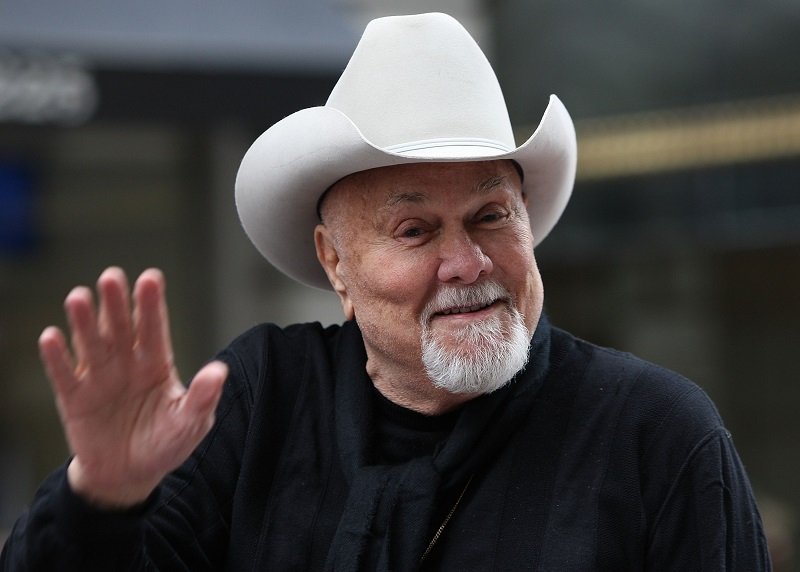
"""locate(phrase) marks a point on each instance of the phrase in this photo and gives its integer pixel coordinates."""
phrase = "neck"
(414, 391)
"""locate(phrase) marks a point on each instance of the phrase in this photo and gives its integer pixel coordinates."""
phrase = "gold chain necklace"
(440, 530)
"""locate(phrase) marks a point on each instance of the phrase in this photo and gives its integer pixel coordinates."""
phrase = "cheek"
(521, 276)
(387, 297)
(388, 284)
(532, 306)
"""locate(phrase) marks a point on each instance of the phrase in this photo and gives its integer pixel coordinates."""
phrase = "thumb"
(204, 391)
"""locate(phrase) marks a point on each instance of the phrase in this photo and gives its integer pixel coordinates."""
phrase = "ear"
(328, 257)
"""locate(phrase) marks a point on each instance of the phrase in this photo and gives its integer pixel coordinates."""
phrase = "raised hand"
(128, 418)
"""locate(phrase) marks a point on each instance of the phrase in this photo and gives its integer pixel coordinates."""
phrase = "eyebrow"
(405, 197)
(490, 183)
(482, 188)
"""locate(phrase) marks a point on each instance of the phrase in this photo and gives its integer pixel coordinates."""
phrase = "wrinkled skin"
(392, 236)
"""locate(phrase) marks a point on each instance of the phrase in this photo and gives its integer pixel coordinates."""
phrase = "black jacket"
(613, 464)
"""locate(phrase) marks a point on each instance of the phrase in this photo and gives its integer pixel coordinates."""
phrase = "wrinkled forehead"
(376, 189)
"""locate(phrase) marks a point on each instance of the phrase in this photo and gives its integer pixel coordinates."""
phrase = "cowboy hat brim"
(288, 168)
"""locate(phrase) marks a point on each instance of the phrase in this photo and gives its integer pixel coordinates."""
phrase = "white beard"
(485, 355)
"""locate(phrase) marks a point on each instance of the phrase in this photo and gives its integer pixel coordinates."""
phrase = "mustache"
(450, 297)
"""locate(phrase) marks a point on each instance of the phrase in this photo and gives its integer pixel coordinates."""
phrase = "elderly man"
(445, 425)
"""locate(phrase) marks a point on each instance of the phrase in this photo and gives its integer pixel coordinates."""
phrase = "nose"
(462, 260)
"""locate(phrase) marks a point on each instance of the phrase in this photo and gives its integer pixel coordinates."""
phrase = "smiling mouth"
(464, 309)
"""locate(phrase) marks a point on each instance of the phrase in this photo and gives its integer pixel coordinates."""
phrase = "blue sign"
(18, 230)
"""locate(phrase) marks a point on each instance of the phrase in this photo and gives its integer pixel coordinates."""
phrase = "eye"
(492, 216)
(413, 232)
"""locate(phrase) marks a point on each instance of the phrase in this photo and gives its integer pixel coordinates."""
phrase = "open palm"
(128, 418)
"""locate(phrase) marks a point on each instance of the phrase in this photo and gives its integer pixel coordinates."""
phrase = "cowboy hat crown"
(416, 89)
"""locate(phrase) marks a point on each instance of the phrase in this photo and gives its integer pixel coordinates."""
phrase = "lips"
(452, 300)
(464, 309)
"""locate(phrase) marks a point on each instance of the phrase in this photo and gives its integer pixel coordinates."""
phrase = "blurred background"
(122, 125)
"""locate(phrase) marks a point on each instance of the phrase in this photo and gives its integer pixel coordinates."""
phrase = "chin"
(484, 356)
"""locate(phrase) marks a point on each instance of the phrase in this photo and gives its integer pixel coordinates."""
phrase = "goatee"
(480, 357)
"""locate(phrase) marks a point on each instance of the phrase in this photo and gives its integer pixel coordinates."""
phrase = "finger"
(80, 310)
(151, 320)
(57, 361)
(201, 399)
(206, 387)
(115, 313)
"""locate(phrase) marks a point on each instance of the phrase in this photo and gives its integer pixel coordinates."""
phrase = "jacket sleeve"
(709, 520)
(62, 532)
(182, 526)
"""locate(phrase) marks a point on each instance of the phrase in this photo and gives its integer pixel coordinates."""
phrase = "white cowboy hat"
(417, 89)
